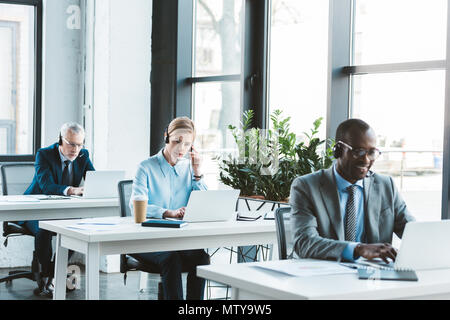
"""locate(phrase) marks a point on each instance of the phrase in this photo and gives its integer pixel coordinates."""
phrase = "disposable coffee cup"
(140, 209)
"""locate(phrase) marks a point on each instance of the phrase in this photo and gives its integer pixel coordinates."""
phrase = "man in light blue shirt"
(167, 180)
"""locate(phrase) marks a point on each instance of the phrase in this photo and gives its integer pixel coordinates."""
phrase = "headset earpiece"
(60, 140)
(337, 151)
(166, 131)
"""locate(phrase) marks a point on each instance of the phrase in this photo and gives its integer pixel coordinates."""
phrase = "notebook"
(383, 274)
(163, 223)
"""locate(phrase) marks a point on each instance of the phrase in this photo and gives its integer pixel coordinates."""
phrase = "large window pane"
(407, 110)
(299, 61)
(389, 31)
(216, 106)
(218, 37)
(16, 79)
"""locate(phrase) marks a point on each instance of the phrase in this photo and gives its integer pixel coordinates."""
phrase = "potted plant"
(270, 160)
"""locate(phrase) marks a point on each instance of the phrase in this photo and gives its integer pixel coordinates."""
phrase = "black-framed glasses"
(372, 154)
(73, 145)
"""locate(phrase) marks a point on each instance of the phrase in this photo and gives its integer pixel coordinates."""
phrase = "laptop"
(423, 246)
(102, 184)
(211, 205)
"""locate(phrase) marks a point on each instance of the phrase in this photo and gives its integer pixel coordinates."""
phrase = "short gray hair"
(72, 126)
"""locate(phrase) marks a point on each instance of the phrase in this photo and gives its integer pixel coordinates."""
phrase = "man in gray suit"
(347, 211)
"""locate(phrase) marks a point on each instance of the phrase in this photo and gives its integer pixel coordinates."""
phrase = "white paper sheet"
(19, 199)
(99, 224)
(94, 226)
(305, 268)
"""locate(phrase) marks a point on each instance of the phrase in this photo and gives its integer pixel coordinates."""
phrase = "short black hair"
(346, 126)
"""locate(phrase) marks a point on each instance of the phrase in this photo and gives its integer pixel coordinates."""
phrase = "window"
(20, 34)
(398, 87)
(299, 62)
(216, 78)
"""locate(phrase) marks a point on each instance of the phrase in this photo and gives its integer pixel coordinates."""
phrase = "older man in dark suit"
(59, 170)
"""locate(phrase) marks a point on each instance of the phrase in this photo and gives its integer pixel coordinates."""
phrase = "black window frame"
(37, 107)
(172, 64)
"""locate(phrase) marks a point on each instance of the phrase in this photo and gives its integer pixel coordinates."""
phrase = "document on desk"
(19, 198)
(305, 267)
(31, 198)
(97, 224)
(94, 226)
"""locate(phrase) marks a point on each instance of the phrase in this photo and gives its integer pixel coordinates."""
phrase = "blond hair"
(181, 123)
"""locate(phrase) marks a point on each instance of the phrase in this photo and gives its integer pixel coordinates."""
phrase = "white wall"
(121, 89)
(121, 102)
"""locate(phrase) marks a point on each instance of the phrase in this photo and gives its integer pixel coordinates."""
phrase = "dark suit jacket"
(316, 224)
(48, 176)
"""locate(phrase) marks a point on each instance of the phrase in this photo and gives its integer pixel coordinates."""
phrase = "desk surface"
(129, 237)
(126, 229)
(56, 209)
(7, 205)
(256, 283)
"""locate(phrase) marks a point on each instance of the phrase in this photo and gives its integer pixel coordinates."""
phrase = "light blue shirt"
(342, 185)
(167, 187)
(63, 165)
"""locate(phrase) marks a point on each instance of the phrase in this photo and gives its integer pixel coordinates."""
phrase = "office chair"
(16, 178)
(127, 261)
(284, 234)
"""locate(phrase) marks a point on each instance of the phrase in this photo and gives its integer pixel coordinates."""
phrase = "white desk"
(57, 209)
(248, 282)
(133, 238)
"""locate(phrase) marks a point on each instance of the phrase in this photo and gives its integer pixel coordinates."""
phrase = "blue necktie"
(350, 214)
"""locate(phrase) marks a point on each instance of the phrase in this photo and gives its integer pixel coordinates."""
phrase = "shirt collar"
(343, 184)
(164, 165)
(62, 157)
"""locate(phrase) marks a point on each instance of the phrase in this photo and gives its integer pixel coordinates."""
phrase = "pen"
(349, 265)
(97, 224)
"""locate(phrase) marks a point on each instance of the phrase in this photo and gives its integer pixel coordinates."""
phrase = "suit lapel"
(372, 203)
(330, 198)
(58, 165)
(76, 172)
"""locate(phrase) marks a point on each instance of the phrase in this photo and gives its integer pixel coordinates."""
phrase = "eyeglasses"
(372, 154)
(73, 145)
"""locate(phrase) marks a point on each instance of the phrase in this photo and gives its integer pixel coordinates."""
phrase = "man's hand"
(376, 250)
(73, 191)
(177, 214)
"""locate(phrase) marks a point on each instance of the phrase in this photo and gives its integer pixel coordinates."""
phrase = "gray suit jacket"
(316, 222)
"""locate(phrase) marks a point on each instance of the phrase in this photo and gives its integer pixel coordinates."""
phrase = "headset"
(60, 140)
(166, 131)
(337, 150)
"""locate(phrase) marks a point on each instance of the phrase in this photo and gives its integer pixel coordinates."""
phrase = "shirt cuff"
(156, 214)
(66, 190)
(348, 252)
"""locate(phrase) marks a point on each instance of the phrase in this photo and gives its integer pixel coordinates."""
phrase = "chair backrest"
(284, 234)
(125, 188)
(16, 177)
